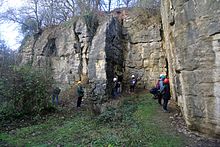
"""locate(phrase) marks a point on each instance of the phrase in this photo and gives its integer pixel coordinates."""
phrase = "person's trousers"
(165, 103)
(160, 98)
(79, 101)
(53, 99)
(131, 88)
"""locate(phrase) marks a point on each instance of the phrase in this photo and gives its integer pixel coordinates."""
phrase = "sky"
(9, 31)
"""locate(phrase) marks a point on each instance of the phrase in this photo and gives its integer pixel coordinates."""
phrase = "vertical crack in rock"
(78, 48)
(114, 53)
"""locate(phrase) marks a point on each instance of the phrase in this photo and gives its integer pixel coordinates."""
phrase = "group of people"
(162, 91)
(79, 91)
(117, 86)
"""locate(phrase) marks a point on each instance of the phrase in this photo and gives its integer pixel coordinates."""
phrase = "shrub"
(108, 115)
(26, 91)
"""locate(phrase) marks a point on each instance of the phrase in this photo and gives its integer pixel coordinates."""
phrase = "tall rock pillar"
(192, 44)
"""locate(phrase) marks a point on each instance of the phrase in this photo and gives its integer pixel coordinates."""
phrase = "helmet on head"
(114, 79)
(132, 76)
(166, 81)
(162, 76)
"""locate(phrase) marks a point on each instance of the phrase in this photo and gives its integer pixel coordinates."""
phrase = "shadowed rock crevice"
(78, 49)
(50, 48)
(114, 53)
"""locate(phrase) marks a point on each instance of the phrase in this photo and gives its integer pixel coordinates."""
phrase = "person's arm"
(161, 86)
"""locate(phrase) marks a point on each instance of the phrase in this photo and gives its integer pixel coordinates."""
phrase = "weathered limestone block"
(57, 48)
(144, 56)
(25, 55)
(192, 47)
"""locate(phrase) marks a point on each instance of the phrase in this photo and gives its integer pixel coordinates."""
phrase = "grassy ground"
(138, 121)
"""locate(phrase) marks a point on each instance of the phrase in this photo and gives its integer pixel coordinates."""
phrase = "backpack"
(57, 90)
(158, 84)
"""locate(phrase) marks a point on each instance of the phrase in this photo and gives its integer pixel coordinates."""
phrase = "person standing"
(56, 92)
(80, 94)
(116, 88)
(133, 83)
(166, 94)
(161, 87)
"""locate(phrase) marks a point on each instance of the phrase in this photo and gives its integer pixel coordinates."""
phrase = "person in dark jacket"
(56, 92)
(80, 94)
(166, 94)
(133, 82)
(116, 88)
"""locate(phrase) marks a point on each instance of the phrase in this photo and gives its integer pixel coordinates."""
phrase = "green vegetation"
(135, 123)
(25, 91)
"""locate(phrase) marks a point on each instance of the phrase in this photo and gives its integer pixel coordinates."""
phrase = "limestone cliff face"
(192, 44)
(120, 46)
(61, 49)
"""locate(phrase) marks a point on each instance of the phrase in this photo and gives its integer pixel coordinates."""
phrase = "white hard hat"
(132, 76)
(114, 79)
(163, 76)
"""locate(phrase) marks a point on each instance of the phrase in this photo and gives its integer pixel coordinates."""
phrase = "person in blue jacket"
(160, 87)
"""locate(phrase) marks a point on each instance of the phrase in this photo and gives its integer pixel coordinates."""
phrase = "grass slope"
(135, 123)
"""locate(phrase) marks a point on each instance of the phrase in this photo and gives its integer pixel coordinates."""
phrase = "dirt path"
(177, 124)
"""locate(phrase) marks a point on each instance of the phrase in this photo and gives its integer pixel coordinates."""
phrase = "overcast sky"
(9, 31)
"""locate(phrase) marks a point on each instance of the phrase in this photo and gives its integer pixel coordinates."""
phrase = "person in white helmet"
(115, 91)
(133, 82)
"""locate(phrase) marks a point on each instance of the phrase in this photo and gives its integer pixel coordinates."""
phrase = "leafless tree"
(147, 3)
(37, 14)
(109, 5)
(126, 2)
(30, 11)
(35, 8)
